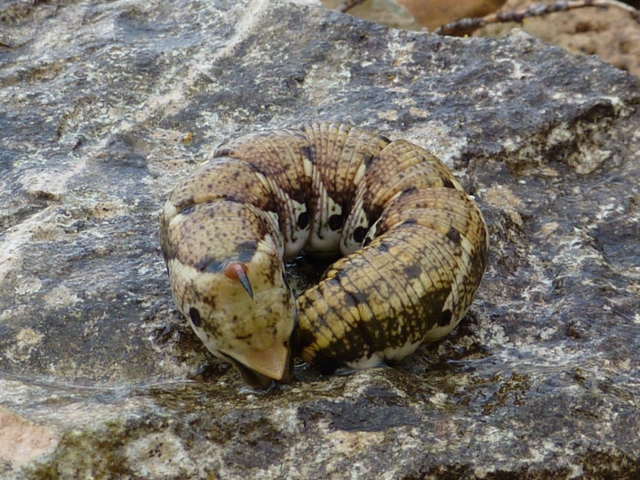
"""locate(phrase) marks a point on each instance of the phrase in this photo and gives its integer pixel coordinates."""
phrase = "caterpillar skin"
(414, 248)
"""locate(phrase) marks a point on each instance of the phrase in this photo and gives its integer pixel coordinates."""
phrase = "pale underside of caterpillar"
(414, 248)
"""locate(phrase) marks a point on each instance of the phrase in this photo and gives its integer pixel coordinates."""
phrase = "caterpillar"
(413, 244)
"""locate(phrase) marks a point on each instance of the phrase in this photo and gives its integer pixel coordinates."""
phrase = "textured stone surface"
(21, 441)
(105, 105)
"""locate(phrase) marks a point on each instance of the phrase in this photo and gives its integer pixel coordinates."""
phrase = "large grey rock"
(104, 105)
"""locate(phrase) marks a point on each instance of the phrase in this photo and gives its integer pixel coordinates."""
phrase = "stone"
(22, 441)
(105, 105)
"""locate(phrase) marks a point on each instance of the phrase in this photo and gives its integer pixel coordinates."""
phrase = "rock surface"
(106, 104)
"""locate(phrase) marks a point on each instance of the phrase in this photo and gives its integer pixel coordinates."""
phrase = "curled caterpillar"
(414, 248)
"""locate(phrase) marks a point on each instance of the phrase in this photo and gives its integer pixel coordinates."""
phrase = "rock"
(21, 441)
(107, 104)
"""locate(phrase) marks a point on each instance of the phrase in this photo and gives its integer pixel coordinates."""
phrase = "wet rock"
(106, 105)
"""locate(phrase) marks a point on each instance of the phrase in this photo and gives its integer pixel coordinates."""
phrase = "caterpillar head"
(243, 311)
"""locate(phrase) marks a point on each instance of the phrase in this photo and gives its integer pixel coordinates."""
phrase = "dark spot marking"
(412, 271)
(448, 183)
(335, 222)
(383, 248)
(194, 314)
(246, 250)
(211, 301)
(358, 297)
(263, 227)
(384, 139)
(445, 319)
(303, 220)
(359, 234)
(248, 245)
(454, 236)
(306, 151)
(410, 221)
(188, 210)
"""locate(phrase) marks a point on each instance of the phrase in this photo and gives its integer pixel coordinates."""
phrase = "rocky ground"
(104, 105)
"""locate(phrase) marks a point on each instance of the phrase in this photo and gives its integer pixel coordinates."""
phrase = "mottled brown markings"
(404, 293)
(372, 211)
(343, 348)
(454, 236)
(370, 286)
(387, 295)
(211, 329)
(431, 266)
(209, 300)
(341, 145)
(412, 271)
(246, 250)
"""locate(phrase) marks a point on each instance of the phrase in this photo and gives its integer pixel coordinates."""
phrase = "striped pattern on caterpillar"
(414, 248)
